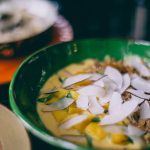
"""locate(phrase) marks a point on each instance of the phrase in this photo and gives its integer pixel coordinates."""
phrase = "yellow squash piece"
(95, 131)
(119, 138)
(74, 94)
(58, 95)
(60, 115)
(81, 126)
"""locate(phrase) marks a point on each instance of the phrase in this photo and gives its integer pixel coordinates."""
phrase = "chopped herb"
(96, 119)
(106, 111)
(130, 140)
(69, 95)
(61, 80)
(45, 99)
(89, 141)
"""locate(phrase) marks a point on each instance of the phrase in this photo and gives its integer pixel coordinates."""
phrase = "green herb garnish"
(130, 140)
(45, 99)
(69, 95)
(106, 111)
(89, 141)
(96, 119)
(61, 80)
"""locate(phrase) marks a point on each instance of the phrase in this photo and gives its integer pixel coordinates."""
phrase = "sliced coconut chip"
(145, 110)
(99, 83)
(75, 79)
(73, 121)
(133, 76)
(136, 62)
(106, 98)
(139, 93)
(114, 75)
(115, 103)
(141, 84)
(119, 113)
(82, 102)
(126, 83)
(61, 104)
(134, 131)
(94, 106)
(115, 129)
(92, 90)
(95, 76)
(109, 87)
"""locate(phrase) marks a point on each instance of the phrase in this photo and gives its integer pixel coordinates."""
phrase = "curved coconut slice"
(136, 62)
(141, 84)
(115, 103)
(119, 113)
(139, 94)
(145, 110)
(114, 75)
(73, 121)
(75, 79)
(106, 98)
(92, 90)
(99, 83)
(94, 106)
(126, 83)
(115, 129)
(61, 104)
(95, 76)
(134, 131)
(82, 102)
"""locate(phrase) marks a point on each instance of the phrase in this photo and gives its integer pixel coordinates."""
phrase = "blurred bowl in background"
(27, 32)
(13, 135)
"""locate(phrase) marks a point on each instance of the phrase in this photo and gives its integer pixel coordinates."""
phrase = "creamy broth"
(52, 119)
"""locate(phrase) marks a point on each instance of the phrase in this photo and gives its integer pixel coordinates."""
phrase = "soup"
(101, 104)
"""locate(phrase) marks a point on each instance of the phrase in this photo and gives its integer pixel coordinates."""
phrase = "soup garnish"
(104, 104)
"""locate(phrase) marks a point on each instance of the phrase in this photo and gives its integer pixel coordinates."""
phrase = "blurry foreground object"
(13, 135)
(26, 26)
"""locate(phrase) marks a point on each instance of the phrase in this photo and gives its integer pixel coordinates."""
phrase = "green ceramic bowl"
(36, 69)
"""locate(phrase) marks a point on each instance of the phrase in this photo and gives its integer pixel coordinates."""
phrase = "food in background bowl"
(25, 24)
(106, 102)
(35, 71)
(22, 19)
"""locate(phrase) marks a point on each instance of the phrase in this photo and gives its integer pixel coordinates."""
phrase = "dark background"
(95, 18)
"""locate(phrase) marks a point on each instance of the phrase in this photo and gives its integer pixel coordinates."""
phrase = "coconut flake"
(61, 104)
(73, 121)
(92, 90)
(75, 79)
(136, 62)
(126, 83)
(115, 103)
(139, 93)
(141, 84)
(95, 76)
(115, 129)
(114, 75)
(119, 113)
(109, 87)
(94, 106)
(82, 102)
(99, 83)
(134, 131)
(145, 110)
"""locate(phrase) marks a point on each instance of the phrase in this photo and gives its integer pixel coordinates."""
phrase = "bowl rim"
(50, 139)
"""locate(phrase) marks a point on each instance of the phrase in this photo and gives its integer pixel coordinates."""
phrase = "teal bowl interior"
(36, 69)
